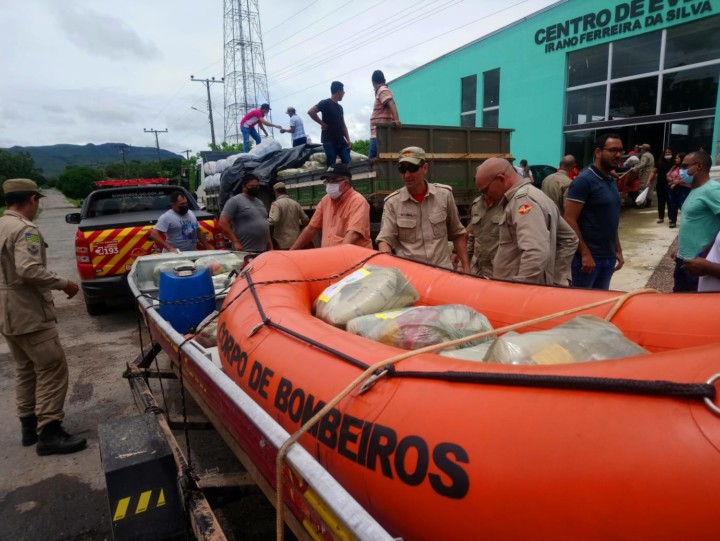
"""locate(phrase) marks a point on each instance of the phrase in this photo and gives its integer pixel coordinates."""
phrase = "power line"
(311, 24)
(207, 83)
(304, 8)
(157, 143)
(315, 61)
(374, 62)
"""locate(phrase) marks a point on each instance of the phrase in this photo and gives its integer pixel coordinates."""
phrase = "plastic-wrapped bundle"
(289, 173)
(366, 291)
(421, 326)
(319, 157)
(356, 157)
(207, 331)
(583, 338)
(473, 353)
(221, 165)
(267, 146)
(213, 167)
(220, 263)
(206, 169)
(168, 266)
(221, 281)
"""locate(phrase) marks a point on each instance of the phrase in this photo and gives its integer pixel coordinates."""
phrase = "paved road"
(64, 497)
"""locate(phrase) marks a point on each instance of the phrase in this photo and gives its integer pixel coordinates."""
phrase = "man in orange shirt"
(343, 215)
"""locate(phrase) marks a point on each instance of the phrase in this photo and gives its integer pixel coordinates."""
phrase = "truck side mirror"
(73, 218)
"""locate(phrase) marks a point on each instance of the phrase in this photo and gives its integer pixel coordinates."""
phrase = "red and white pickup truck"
(113, 228)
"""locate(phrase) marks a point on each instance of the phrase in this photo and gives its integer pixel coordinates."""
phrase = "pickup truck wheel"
(95, 308)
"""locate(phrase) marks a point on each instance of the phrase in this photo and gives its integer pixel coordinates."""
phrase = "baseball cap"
(278, 186)
(266, 106)
(414, 155)
(12, 185)
(645, 146)
(290, 109)
(337, 170)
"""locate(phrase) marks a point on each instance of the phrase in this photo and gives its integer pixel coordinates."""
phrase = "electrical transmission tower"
(245, 77)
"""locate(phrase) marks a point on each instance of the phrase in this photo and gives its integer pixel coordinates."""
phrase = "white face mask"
(333, 189)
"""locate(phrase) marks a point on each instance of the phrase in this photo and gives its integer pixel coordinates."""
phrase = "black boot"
(54, 440)
(29, 427)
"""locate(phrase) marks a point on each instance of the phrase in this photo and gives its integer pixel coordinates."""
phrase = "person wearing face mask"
(244, 218)
(700, 217)
(342, 215)
(677, 190)
(419, 219)
(177, 230)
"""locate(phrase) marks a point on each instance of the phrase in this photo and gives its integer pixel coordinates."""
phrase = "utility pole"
(208, 82)
(157, 144)
(123, 148)
(187, 153)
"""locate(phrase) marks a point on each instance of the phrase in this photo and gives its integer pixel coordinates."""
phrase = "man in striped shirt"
(296, 129)
(384, 110)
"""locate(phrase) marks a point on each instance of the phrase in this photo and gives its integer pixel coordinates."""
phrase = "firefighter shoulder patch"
(524, 209)
(32, 240)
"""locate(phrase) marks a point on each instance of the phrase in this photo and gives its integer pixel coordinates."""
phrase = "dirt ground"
(64, 497)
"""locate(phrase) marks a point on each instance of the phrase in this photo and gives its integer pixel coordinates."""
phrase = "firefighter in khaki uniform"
(536, 245)
(419, 219)
(483, 235)
(287, 218)
(28, 323)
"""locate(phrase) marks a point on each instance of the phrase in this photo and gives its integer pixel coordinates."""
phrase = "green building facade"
(646, 69)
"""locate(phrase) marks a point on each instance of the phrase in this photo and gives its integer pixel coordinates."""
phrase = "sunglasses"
(405, 167)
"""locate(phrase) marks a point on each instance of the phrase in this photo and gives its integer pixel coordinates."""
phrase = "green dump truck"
(452, 153)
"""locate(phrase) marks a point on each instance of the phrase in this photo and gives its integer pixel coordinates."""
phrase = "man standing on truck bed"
(296, 129)
(178, 230)
(335, 137)
(384, 110)
(244, 218)
(29, 323)
(256, 117)
(419, 219)
(343, 215)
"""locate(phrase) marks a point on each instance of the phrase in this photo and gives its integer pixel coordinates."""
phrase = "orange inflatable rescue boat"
(440, 448)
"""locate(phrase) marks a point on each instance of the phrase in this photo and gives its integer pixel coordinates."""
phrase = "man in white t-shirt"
(296, 129)
(178, 229)
(707, 268)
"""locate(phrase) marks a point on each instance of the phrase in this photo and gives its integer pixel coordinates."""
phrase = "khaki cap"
(278, 186)
(13, 185)
(415, 155)
(645, 146)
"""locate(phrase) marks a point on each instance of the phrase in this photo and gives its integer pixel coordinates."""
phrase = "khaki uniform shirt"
(421, 231)
(555, 186)
(25, 283)
(536, 243)
(287, 217)
(483, 237)
(644, 168)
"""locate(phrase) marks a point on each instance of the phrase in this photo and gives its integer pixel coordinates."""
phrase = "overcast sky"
(100, 71)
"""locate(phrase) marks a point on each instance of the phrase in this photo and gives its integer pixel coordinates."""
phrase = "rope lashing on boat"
(385, 367)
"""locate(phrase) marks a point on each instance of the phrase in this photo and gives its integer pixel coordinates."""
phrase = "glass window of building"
(635, 56)
(491, 98)
(468, 100)
(690, 90)
(637, 97)
(491, 88)
(693, 43)
(586, 105)
(491, 118)
(588, 65)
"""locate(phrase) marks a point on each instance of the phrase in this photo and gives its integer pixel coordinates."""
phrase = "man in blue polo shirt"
(593, 211)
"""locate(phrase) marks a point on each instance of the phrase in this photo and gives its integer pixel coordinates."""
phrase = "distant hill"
(54, 158)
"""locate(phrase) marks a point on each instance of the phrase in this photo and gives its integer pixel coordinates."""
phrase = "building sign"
(626, 17)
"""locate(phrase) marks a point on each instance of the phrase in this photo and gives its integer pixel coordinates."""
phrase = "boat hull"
(437, 459)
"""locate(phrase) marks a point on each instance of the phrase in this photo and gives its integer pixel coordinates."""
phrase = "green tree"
(361, 146)
(18, 165)
(227, 147)
(77, 182)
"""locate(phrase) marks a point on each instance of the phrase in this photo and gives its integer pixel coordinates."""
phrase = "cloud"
(100, 34)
